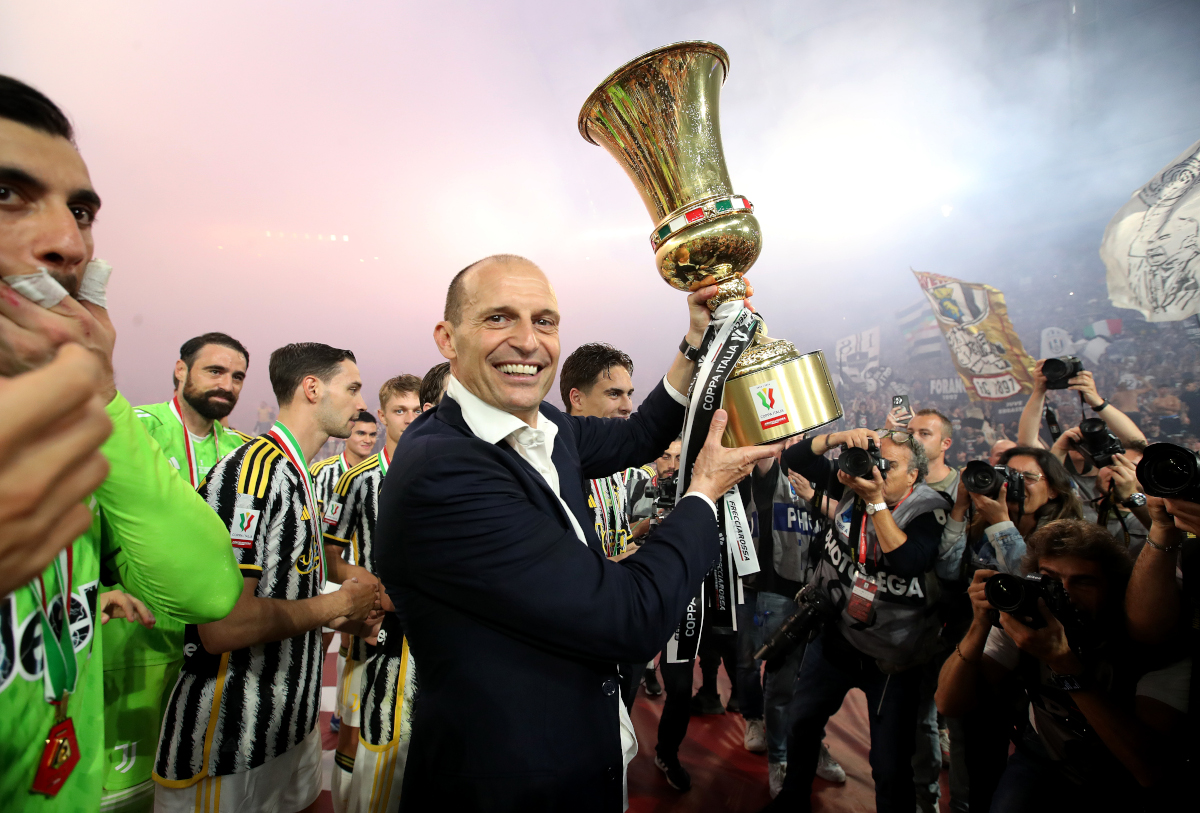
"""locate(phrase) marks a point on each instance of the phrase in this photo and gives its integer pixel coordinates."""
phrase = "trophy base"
(773, 401)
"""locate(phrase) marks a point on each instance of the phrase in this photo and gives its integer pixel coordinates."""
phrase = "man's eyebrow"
(20, 177)
(87, 196)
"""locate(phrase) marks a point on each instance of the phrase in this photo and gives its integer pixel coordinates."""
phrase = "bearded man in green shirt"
(143, 663)
(150, 531)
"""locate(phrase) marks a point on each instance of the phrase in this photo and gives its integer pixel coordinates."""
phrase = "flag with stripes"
(921, 332)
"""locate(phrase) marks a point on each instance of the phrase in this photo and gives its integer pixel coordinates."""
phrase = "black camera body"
(1098, 443)
(980, 478)
(662, 493)
(858, 462)
(1170, 471)
(1059, 371)
(816, 608)
(1019, 596)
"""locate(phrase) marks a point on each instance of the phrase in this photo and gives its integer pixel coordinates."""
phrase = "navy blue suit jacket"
(516, 627)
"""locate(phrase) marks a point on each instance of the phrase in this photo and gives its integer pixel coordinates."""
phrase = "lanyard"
(291, 448)
(862, 532)
(61, 668)
(189, 449)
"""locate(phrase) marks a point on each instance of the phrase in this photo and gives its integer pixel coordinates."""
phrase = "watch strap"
(1100, 405)
(690, 353)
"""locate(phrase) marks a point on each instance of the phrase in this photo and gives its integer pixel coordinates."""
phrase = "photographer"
(1103, 724)
(1083, 383)
(995, 538)
(880, 549)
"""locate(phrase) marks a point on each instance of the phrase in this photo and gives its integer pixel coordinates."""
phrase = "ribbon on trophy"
(729, 334)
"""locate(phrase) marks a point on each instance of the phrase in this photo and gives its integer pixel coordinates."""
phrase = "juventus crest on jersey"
(232, 712)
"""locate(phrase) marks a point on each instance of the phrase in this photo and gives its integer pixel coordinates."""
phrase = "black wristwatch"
(1068, 683)
(690, 353)
(1100, 405)
(1135, 500)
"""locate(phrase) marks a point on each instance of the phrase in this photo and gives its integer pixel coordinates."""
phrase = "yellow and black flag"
(985, 348)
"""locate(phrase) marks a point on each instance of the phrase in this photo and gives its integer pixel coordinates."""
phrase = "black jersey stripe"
(343, 483)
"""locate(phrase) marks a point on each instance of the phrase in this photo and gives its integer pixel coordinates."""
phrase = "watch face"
(1136, 500)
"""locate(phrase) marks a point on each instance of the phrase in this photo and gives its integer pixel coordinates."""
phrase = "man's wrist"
(693, 338)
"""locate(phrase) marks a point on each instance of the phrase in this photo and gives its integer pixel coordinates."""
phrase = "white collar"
(492, 425)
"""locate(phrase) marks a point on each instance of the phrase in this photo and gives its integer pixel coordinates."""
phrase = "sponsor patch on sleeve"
(245, 521)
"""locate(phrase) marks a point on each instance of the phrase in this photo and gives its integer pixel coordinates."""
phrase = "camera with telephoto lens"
(816, 607)
(1098, 443)
(1170, 471)
(858, 462)
(1059, 371)
(980, 478)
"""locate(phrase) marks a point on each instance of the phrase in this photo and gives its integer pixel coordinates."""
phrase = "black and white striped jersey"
(349, 522)
(232, 712)
(325, 474)
(389, 688)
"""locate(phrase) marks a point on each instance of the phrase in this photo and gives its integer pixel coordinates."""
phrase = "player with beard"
(142, 662)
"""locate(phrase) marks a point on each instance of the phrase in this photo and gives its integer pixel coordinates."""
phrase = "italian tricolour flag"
(1105, 327)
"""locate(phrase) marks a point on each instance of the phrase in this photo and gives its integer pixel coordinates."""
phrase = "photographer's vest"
(903, 629)
(793, 527)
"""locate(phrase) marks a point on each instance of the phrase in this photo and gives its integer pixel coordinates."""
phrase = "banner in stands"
(858, 354)
(1151, 247)
(1056, 342)
(986, 349)
(947, 389)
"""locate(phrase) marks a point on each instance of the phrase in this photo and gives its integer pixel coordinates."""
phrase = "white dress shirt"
(535, 445)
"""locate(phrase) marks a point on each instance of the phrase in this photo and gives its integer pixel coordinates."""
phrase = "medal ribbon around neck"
(193, 463)
(61, 669)
(384, 461)
(291, 448)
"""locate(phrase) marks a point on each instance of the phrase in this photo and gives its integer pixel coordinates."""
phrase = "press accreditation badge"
(862, 598)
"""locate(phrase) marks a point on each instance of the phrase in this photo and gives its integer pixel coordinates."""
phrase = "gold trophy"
(658, 116)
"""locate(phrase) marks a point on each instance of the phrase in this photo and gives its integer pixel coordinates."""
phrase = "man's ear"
(311, 387)
(443, 337)
(947, 443)
(180, 373)
(576, 398)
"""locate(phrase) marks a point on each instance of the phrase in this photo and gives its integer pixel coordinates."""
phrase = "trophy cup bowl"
(659, 117)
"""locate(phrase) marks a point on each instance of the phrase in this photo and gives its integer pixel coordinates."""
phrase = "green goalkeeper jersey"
(157, 536)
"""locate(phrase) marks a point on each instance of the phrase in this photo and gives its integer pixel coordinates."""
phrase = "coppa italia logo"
(244, 525)
(768, 403)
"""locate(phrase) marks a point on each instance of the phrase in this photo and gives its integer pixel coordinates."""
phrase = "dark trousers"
(677, 711)
(718, 644)
(831, 668)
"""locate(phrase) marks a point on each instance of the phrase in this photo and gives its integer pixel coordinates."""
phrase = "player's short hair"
(455, 294)
(25, 105)
(433, 383)
(294, 362)
(585, 365)
(398, 386)
(947, 426)
(365, 417)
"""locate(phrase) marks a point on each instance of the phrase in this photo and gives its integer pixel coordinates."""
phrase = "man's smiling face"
(505, 347)
(47, 205)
